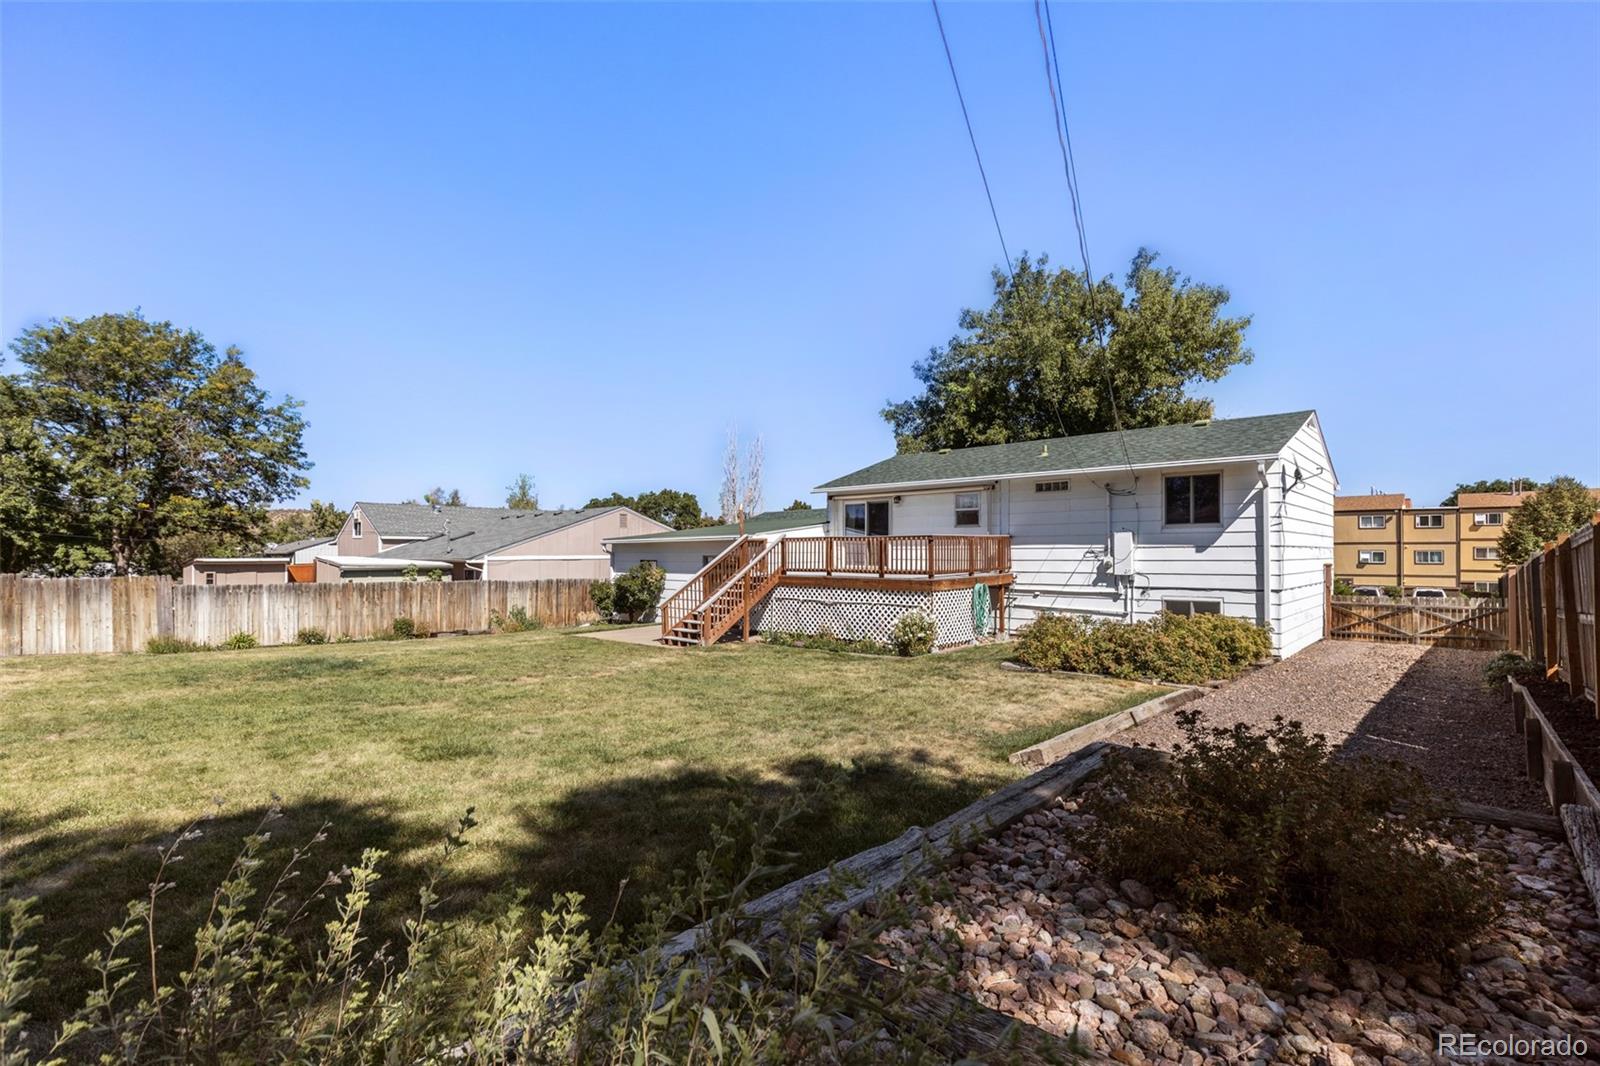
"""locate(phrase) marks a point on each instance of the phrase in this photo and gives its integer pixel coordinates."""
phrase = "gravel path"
(1418, 705)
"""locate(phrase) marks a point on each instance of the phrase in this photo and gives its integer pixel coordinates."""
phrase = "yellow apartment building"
(1381, 540)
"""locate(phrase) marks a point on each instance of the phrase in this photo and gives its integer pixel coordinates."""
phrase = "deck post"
(827, 556)
(746, 622)
(931, 559)
(883, 552)
(1533, 735)
(972, 564)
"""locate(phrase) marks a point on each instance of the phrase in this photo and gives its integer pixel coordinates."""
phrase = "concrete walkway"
(645, 634)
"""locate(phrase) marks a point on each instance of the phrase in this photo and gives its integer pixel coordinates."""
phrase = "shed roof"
(765, 522)
(1257, 437)
(296, 545)
(478, 531)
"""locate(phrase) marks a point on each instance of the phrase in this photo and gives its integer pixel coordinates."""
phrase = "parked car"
(1428, 594)
(1369, 590)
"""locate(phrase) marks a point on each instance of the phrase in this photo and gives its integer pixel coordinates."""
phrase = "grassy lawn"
(589, 761)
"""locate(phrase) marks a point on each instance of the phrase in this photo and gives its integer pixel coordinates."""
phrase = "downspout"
(1263, 547)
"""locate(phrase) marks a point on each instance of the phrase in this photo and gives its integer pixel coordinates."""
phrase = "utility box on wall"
(1121, 550)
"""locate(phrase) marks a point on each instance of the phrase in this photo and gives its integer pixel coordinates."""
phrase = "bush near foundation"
(1188, 650)
(914, 633)
(1283, 858)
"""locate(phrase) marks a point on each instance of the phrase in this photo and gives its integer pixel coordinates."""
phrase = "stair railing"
(687, 600)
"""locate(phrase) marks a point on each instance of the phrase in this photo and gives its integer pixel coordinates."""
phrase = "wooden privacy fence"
(60, 616)
(1552, 599)
(1480, 624)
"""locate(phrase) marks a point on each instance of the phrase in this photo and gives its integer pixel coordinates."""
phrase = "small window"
(622, 520)
(1486, 553)
(1428, 558)
(355, 528)
(1486, 586)
(1429, 521)
(648, 562)
(1051, 486)
(1190, 608)
(1374, 556)
(967, 508)
(211, 577)
(705, 560)
(1194, 500)
(1371, 521)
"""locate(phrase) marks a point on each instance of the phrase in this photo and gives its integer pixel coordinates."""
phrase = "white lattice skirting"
(864, 614)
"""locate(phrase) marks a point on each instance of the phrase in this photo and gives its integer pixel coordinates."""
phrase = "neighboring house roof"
(422, 520)
(1382, 501)
(765, 522)
(1258, 437)
(1503, 499)
(296, 545)
(479, 531)
(376, 562)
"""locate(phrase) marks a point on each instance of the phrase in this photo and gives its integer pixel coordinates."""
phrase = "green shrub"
(1395, 592)
(1282, 857)
(518, 620)
(241, 641)
(311, 635)
(403, 628)
(173, 646)
(914, 633)
(1341, 587)
(638, 591)
(1509, 664)
(603, 595)
(274, 975)
(1170, 647)
(826, 641)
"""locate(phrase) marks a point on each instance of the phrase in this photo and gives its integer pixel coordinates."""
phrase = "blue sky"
(581, 241)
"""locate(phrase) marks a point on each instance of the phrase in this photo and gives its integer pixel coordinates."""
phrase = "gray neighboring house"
(683, 553)
(381, 541)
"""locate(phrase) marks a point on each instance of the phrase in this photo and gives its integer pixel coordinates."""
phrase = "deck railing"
(928, 557)
(697, 589)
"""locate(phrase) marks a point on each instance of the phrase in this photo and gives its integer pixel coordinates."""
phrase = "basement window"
(967, 509)
(1370, 521)
(1190, 608)
(1194, 499)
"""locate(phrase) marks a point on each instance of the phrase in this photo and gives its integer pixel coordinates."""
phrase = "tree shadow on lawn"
(616, 842)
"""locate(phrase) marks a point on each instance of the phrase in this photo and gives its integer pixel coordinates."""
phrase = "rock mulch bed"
(1422, 706)
(1037, 935)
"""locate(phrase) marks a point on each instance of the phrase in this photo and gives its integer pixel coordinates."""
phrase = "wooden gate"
(1480, 625)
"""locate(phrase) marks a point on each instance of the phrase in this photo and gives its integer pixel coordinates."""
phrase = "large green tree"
(673, 507)
(522, 494)
(1499, 484)
(1560, 506)
(139, 431)
(1032, 365)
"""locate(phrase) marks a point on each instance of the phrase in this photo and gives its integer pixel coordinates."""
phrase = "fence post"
(1566, 573)
(1547, 581)
(1519, 707)
(1563, 783)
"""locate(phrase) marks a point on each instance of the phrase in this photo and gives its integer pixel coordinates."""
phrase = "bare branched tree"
(750, 496)
(728, 498)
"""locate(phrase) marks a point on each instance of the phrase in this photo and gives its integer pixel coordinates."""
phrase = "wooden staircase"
(723, 594)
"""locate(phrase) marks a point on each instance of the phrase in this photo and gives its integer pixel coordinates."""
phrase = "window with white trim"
(1190, 608)
(870, 517)
(622, 520)
(211, 577)
(1491, 518)
(1194, 499)
(967, 509)
(355, 527)
(1372, 555)
(1371, 521)
(1051, 486)
(1428, 558)
(1486, 553)
(1486, 586)
(1428, 521)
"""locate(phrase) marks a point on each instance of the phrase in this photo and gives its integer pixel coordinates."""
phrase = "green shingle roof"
(765, 522)
(1223, 438)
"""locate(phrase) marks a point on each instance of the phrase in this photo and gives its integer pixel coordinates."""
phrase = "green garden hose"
(980, 609)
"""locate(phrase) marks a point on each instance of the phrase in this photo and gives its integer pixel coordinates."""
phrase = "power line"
(974, 139)
(1069, 166)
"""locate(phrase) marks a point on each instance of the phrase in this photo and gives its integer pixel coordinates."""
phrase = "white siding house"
(1232, 516)
(683, 553)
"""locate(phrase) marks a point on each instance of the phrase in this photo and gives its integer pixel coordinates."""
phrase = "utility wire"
(974, 139)
(1069, 166)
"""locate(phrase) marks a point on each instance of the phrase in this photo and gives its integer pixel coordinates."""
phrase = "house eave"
(1036, 475)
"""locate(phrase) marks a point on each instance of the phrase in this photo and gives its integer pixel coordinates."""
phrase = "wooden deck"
(723, 594)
